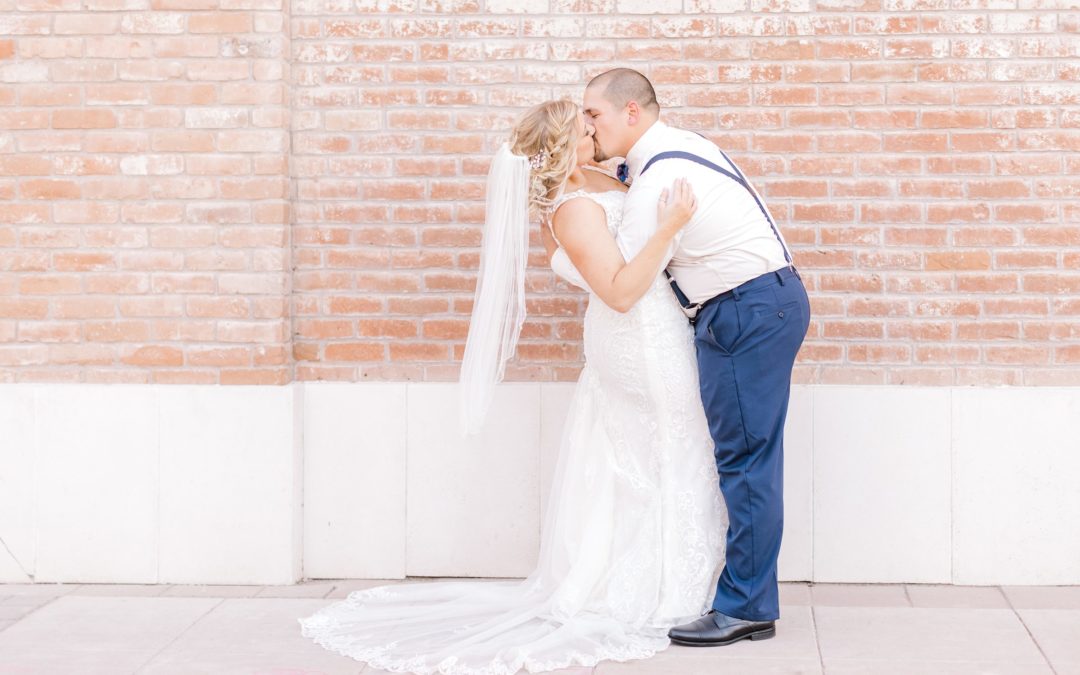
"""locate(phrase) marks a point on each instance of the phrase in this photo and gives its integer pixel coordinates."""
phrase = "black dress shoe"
(715, 629)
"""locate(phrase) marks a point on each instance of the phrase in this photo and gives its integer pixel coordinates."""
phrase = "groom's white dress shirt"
(728, 240)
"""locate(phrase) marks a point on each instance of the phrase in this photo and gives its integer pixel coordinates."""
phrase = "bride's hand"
(676, 206)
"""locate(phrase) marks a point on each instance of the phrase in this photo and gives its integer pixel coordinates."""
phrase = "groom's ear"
(633, 112)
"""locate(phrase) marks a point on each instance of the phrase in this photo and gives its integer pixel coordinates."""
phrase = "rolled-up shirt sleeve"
(639, 222)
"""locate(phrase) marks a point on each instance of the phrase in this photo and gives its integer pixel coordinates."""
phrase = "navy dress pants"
(746, 345)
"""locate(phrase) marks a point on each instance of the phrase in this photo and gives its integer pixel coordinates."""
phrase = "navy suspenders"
(738, 178)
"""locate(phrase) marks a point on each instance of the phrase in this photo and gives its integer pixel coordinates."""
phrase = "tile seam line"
(817, 636)
(1031, 636)
(179, 635)
(43, 605)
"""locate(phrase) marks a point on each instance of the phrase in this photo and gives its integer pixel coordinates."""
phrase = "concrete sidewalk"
(824, 628)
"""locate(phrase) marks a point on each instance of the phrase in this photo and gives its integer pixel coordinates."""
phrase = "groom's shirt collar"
(644, 148)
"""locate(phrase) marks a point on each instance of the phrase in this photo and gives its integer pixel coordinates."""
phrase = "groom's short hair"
(622, 85)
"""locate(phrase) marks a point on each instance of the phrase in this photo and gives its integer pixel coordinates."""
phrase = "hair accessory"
(536, 161)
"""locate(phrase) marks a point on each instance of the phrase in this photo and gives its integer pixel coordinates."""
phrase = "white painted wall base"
(150, 484)
(269, 485)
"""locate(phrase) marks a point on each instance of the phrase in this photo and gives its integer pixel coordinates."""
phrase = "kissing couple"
(665, 513)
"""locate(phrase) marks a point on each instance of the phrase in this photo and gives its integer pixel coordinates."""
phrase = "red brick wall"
(144, 170)
(166, 163)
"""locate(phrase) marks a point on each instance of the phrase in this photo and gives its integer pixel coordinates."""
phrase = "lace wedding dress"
(633, 534)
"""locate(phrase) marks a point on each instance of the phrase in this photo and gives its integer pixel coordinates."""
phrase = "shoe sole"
(757, 635)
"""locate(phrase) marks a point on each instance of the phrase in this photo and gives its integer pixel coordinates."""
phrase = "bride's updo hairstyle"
(547, 135)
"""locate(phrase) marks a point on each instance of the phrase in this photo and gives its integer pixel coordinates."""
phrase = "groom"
(731, 269)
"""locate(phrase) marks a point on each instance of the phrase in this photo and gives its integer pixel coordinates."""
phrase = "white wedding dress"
(633, 535)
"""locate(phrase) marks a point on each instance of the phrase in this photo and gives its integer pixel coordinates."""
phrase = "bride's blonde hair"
(547, 134)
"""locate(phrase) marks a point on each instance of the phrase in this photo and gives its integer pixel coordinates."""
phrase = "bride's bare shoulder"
(577, 209)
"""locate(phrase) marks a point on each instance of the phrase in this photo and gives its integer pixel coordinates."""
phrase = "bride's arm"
(581, 228)
(560, 263)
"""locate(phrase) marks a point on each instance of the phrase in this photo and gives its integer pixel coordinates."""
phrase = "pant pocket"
(724, 328)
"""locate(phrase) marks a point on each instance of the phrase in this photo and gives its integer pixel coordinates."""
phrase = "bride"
(632, 540)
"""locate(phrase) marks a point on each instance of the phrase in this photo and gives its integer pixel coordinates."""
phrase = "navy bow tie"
(622, 173)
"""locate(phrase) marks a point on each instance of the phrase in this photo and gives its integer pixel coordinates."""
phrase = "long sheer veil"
(499, 301)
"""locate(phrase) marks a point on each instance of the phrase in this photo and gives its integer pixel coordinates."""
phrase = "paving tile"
(859, 595)
(27, 600)
(1058, 633)
(119, 590)
(865, 628)
(463, 578)
(250, 635)
(37, 589)
(795, 593)
(211, 591)
(342, 588)
(562, 671)
(15, 612)
(922, 635)
(959, 597)
(83, 634)
(307, 589)
(893, 667)
(1043, 597)
(676, 660)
